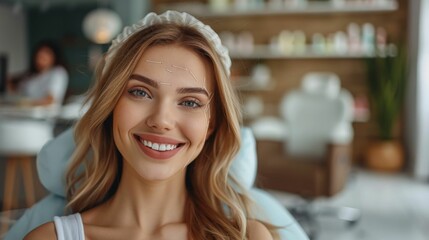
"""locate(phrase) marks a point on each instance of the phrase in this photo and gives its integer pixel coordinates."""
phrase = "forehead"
(44, 49)
(174, 64)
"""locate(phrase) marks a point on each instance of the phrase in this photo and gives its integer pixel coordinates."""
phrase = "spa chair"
(52, 163)
(309, 150)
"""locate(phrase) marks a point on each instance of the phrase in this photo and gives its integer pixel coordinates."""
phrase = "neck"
(148, 204)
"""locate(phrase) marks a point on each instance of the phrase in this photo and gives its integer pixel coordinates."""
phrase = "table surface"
(16, 107)
(39, 112)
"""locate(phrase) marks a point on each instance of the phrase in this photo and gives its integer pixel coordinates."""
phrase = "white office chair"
(318, 113)
(313, 158)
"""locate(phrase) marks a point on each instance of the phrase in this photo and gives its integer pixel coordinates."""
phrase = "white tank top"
(69, 227)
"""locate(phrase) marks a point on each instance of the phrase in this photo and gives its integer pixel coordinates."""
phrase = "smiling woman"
(161, 108)
(157, 142)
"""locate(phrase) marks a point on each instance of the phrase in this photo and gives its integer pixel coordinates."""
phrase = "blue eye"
(139, 92)
(191, 104)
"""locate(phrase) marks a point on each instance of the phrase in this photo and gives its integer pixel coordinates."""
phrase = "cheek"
(196, 126)
(125, 117)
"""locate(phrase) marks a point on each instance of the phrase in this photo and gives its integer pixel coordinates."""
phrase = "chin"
(160, 174)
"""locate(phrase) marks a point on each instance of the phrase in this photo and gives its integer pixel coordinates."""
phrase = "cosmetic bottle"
(299, 42)
(261, 75)
(381, 41)
(354, 38)
(286, 42)
(218, 5)
(368, 39)
(341, 46)
(318, 44)
(245, 42)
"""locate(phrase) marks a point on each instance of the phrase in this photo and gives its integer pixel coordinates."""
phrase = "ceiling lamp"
(101, 25)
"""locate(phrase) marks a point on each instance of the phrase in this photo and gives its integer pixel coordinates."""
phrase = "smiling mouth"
(158, 146)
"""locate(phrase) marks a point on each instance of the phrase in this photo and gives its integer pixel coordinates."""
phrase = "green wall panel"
(64, 25)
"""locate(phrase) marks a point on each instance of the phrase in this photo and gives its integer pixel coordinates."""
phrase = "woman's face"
(44, 59)
(162, 119)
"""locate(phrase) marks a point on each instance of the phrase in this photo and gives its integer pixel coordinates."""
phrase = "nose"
(161, 118)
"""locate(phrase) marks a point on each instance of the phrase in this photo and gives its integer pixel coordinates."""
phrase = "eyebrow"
(144, 79)
(155, 84)
(194, 90)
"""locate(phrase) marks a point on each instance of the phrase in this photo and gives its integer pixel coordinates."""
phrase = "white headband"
(170, 16)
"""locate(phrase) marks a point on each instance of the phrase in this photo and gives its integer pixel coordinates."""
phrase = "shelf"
(204, 11)
(265, 52)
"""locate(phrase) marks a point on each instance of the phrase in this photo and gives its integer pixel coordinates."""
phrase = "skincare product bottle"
(381, 38)
(341, 43)
(299, 41)
(318, 44)
(354, 38)
(368, 39)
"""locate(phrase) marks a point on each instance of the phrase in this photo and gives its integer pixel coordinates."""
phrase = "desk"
(23, 132)
(16, 106)
(29, 112)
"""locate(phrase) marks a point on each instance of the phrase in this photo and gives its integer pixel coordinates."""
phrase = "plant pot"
(385, 155)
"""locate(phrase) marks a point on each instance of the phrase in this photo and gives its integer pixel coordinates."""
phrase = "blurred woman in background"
(46, 81)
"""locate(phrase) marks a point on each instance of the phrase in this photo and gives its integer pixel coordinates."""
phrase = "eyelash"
(142, 93)
(195, 102)
(139, 92)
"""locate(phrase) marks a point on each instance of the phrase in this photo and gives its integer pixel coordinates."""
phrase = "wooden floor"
(392, 206)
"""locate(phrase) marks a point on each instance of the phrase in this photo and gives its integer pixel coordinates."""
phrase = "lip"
(158, 139)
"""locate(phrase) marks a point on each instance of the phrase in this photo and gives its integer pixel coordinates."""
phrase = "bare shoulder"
(257, 231)
(43, 232)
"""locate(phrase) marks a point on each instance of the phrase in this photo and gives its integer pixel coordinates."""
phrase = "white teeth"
(155, 146)
(147, 143)
(159, 146)
(162, 147)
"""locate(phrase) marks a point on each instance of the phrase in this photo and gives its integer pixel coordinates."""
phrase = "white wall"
(418, 92)
(13, 38)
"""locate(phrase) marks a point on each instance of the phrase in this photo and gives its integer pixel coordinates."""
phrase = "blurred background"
(335, 92)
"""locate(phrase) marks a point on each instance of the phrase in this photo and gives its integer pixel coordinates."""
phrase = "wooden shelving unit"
(287, 69)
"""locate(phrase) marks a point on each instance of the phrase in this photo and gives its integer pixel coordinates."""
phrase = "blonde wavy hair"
(214, 210)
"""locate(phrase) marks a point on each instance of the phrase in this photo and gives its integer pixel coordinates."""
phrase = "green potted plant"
(386, 85)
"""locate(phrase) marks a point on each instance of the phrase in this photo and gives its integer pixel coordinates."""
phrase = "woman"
(157, 141)
(46, 81)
